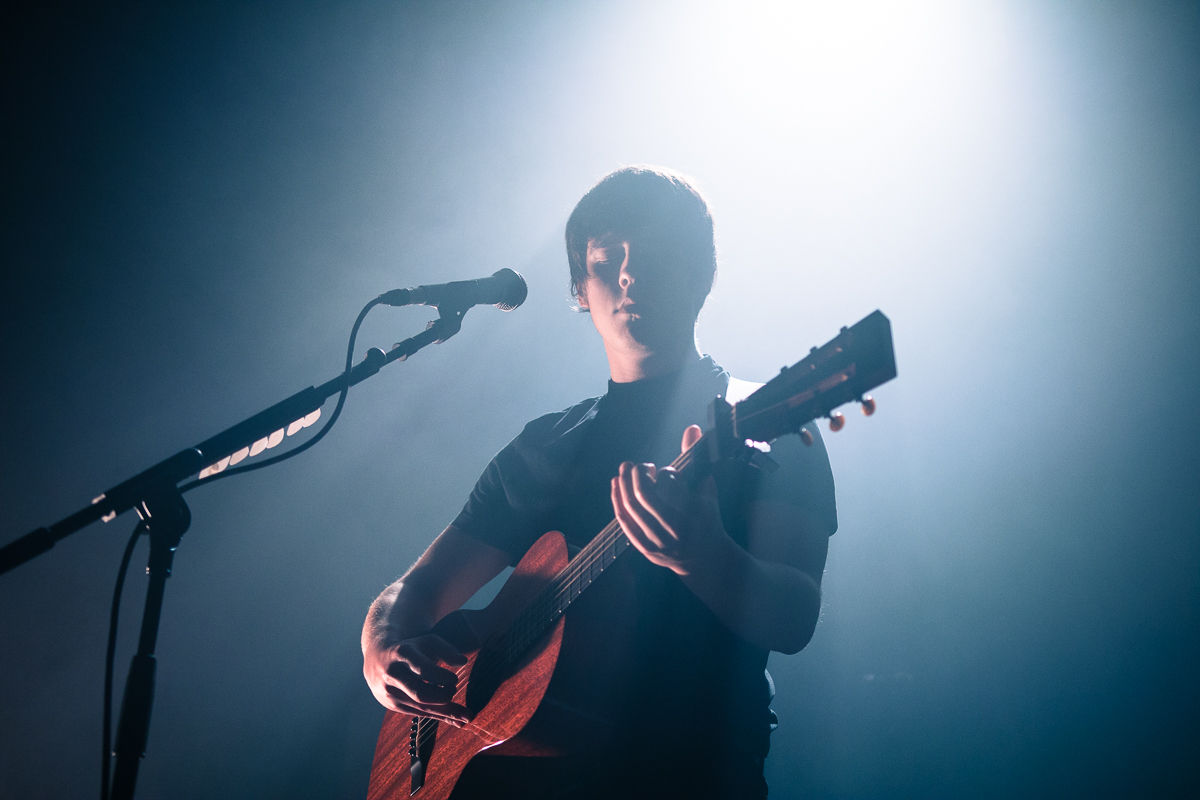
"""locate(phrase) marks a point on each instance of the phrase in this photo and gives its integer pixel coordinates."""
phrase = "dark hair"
(641, 198)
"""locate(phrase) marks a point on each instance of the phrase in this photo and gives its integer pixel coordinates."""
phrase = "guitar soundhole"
(421, 737)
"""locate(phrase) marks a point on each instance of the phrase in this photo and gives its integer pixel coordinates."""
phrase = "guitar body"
(502, 703)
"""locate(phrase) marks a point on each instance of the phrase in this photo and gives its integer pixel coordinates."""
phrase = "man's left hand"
(671, 525)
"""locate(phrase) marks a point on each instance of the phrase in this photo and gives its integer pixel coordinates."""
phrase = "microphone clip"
(448, 323)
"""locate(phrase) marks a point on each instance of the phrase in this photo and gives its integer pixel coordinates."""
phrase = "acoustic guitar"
(512, 645)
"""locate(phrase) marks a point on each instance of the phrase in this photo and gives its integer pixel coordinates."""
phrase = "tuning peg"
(837, 421)
(868, 405)
(806, 437)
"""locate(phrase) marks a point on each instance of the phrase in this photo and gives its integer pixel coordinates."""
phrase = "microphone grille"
(515, 289)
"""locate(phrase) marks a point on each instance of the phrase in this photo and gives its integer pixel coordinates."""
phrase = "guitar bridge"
(421, 736)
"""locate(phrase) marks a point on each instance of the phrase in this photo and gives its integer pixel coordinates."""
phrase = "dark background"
(198, 198)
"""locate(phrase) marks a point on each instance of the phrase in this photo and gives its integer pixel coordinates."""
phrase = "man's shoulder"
(556, 425)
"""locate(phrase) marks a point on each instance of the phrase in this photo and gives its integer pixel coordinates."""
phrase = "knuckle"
(397, 670)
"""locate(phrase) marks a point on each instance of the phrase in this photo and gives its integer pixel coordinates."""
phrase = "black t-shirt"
(643, 661)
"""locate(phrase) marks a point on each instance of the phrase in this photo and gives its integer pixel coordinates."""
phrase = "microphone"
(505, 290)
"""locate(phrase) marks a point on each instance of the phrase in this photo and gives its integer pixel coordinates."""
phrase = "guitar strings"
(541, 604)
(524, 628)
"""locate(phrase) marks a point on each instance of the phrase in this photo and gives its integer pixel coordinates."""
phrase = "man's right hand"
(408, 677)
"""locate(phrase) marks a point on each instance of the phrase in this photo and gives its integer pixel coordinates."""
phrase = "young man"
(660, 689)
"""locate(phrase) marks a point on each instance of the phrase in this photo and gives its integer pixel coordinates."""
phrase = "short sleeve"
(513, 498)
(489, 516)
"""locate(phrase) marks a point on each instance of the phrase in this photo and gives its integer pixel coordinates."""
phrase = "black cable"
(106, 744)
(187, 487)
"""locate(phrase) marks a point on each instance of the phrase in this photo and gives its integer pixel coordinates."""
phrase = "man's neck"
(627, 366)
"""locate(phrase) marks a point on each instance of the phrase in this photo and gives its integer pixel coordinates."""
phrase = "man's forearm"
(771, 605)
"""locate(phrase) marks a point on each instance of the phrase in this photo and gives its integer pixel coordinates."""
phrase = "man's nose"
(626, 274)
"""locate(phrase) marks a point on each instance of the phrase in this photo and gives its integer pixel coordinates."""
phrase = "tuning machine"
(868, 405)
(837, 421)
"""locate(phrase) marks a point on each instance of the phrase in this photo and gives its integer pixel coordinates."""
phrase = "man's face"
(639, 291)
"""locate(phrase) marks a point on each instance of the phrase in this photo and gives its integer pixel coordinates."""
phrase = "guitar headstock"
(851, 364)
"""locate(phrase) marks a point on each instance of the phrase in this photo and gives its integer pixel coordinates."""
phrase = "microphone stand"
(155, 494)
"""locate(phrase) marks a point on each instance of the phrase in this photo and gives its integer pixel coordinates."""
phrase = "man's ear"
(581, 299)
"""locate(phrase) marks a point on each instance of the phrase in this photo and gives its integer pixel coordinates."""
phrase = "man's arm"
(770, 595)
(400, 655)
